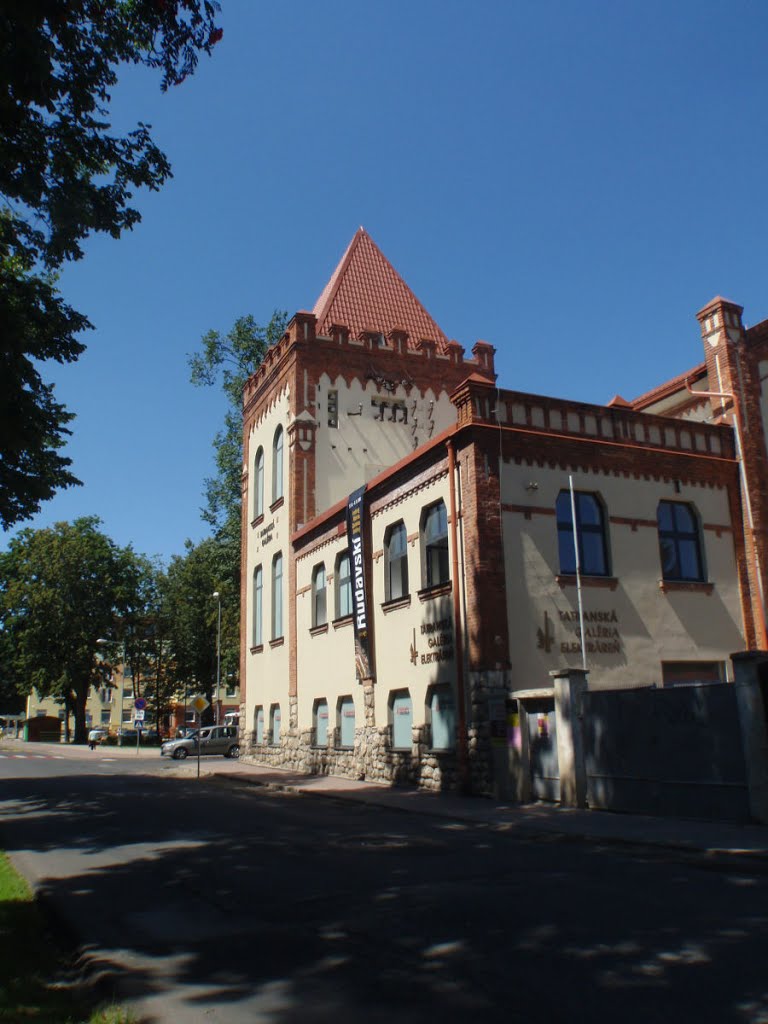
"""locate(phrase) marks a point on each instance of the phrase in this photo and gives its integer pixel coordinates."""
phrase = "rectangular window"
(442, 710)
(402, 721)
(347, 722)
(590, 534)
(259, 725)
(343, 587)
(679, 542)
(319, 613)
(435, 545)
(686, 673)
(321, 723)
(258, 605)
(277, 597)
(275, 725)
(396, 559)
(105, 715)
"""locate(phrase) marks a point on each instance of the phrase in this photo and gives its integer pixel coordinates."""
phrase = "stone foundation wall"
(371, 758)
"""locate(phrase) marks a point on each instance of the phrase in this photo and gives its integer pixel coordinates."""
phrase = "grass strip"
(38, 980)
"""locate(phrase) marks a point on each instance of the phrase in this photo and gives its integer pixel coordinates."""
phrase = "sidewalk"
(529, 820)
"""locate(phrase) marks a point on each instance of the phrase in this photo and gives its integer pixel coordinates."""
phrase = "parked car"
(214, 739)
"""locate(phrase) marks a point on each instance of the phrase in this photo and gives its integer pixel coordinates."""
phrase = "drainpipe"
(461, 738)
(762, 638)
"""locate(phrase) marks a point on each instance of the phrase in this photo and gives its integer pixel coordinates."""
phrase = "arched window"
(343, 586)
(590, 533)
(319, 606)
(277, 597)
(258, 484)
(274, 725)
(320, 716)
(258, 604)
(395, 562)
(434, 541)
(679, 542)
(277, 465)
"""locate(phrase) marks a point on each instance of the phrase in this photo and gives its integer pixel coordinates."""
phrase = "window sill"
(340, 747)
(257, 521)
(692, 586)
(439, 590)
(606, 582)
(338, 623)
(257, 649)
(319, 630)
(398, 602)
(276, 504)
(277, 642)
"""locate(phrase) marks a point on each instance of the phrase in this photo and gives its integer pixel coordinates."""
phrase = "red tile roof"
(366, 293)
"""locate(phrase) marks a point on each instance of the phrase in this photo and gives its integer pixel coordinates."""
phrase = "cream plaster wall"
(653, 626)
(363, 445)
(326, 661)
(399, 630)
(266, 672)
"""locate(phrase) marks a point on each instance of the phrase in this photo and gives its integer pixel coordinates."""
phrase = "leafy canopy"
(61, 590)
(65, 174)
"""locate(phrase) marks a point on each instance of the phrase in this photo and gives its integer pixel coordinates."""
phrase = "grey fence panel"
(674, 751)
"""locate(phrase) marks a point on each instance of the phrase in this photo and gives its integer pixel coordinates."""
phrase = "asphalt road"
(211, 900)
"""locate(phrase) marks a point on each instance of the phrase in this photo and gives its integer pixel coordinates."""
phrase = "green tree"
(192, 613)
(64, 175)
(61, 589)
(229, 361)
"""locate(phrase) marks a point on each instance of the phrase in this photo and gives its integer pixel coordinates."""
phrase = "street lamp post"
(101, 640)
(217, 595)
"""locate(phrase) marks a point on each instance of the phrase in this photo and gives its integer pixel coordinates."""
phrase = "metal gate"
(542, 747)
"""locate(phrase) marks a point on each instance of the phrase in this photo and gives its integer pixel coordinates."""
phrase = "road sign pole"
(199, 730)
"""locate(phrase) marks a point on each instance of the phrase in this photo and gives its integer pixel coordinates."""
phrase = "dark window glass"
(319, 614)
(679, 542)
(396, 556)
(435, 538)
(590, 532)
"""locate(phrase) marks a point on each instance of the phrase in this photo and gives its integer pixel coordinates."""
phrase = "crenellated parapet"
(477, 401)
(372, 354)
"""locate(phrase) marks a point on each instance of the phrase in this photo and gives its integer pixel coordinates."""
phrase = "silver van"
(214, 739)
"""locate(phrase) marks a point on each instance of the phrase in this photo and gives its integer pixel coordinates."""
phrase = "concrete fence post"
(570, 684)
(751, 682)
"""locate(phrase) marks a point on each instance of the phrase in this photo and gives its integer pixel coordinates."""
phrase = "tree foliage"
(192, 611)
(61, 589)
(63, 176)
(228, 361)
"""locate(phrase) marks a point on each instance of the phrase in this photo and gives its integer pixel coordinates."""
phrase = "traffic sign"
(140, 703)
(140, 715)
(199, 703)
(139, 724)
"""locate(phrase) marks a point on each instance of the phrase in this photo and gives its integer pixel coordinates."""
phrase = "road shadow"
(272, 907)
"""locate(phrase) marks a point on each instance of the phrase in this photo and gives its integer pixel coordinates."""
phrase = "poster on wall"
(355, 507)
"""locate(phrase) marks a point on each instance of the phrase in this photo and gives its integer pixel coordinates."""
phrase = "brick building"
(411, 566)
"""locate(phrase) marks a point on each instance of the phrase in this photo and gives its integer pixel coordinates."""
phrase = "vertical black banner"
(355, 507)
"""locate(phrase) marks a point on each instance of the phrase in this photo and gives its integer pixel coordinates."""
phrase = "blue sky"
(568, 181)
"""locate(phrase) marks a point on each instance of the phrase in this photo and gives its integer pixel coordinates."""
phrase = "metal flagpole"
(578, 574)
